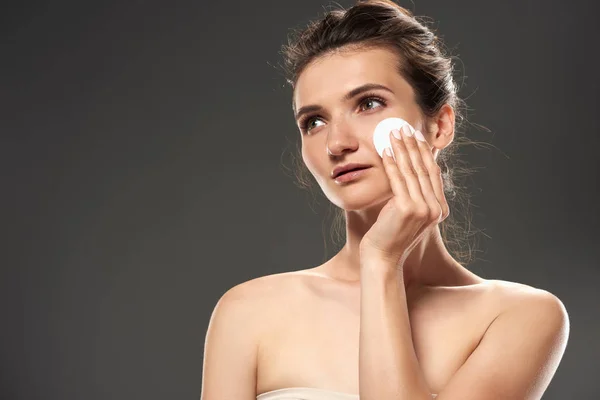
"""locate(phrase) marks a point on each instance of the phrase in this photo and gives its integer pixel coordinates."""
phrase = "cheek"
(316, 163)
(308, 157)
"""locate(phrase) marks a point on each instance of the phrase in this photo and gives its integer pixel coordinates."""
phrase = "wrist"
(381, 268)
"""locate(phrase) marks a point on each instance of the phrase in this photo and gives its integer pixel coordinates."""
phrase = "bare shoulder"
(515, 304)
(260, 298)
(264, 288)
(239, 319)
(248, 306)
(487, 301)
(513, 295)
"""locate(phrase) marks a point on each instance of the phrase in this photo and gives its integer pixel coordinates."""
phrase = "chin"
(360, 196)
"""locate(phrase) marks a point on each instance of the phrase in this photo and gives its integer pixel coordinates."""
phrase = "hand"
(418, 201)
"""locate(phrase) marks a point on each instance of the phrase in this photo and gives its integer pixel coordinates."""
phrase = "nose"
(341, 138)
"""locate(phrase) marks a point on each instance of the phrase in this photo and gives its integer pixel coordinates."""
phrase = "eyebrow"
(353, 93)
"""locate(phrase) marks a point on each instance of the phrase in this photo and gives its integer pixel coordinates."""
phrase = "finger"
(422, 172)
(435, 174)
(405, 167)
(395, 177)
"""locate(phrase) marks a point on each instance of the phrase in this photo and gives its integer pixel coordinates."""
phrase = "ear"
(440, 129)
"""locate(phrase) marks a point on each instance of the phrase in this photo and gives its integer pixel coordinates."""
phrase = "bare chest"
(315, 341)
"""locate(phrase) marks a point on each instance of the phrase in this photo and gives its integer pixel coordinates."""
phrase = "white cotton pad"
(381, 135)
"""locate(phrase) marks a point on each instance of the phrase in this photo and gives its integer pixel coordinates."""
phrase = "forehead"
(333, 75)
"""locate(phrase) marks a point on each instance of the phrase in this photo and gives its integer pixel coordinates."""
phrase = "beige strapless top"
(305, 393)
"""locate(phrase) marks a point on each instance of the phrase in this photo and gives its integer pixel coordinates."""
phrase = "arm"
(388, 365)
(518, 355)
(229, 368)
(516, 358)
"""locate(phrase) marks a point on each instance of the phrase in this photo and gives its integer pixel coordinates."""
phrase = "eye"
(371, 100)
(307, 123)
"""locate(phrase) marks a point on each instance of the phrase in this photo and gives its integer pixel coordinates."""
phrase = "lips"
(350, 170)
(347, 168)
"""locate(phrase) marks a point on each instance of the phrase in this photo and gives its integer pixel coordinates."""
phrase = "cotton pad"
(381, 135)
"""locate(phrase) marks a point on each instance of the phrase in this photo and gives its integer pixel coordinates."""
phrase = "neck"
(429, 262)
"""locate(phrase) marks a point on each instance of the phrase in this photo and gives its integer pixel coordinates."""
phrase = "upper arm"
(230, 349)
(518, 355)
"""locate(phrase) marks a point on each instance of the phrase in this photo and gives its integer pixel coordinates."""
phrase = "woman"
(393, 315)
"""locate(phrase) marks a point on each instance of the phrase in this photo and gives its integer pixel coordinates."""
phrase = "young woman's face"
(337, 112)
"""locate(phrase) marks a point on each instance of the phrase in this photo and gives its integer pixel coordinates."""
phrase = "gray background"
(142, 163)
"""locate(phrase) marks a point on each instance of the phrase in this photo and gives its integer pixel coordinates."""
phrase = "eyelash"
(369, 96)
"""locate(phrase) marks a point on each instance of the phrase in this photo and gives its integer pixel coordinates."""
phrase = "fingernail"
(396, 134)
(388, 151)
(419, 136)
(407, 131)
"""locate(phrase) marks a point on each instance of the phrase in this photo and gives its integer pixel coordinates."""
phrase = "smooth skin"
(471, 338)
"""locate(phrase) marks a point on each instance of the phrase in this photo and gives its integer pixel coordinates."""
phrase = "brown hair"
(425, 66)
